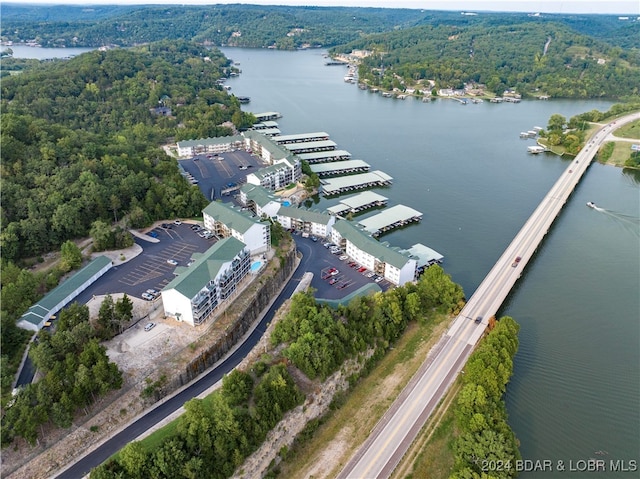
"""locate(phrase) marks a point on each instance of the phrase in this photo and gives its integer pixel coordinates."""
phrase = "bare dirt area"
(143, 357)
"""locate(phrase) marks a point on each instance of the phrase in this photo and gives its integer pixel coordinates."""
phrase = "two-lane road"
(398, 428)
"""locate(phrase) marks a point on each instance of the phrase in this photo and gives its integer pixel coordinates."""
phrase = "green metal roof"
(268, 170)
(367, 243)
(304, 215)
(206, 267)
(258, 194)
(276, 151)
(64, 290)
(230, 216)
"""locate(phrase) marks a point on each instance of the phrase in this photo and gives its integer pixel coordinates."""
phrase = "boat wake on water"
(629, 222)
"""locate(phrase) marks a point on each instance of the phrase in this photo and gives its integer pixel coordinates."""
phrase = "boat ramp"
(389, 219)
(342, 184)
(357, 203)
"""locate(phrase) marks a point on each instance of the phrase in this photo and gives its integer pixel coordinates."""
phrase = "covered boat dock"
(357, 203)
(325, 156)
(342, 184)
(425, 255)
(389, 219)
(340, 168)
(267, 115)
(309, 146)
(301, 138)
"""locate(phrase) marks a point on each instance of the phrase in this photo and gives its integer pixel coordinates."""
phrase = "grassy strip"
(431, 454)
(616, 154)
(344, 428)
(630, 130)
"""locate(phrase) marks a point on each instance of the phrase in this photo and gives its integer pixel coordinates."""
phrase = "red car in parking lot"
(361, 269)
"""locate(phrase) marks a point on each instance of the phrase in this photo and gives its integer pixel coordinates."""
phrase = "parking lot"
(153, 268)
(333, 277)
(219, 176)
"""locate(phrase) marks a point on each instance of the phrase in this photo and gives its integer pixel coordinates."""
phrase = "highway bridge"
(395, 432)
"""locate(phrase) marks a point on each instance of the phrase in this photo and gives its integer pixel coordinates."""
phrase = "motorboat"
(591, 204)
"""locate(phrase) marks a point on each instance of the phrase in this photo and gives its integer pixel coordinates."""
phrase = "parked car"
(147, 296)
(153, 234)
(370, 274)
(333, 281)
(334, 272)
(361, 269)
(314, 238)
(378, 279)
(172, 262)
(149, 326)
(153, 292)
(344, 257)
(177, 222)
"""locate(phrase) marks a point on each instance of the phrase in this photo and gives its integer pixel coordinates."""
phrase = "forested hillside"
(532, 58)
(80, 143)
(262, 26)
(235, 25)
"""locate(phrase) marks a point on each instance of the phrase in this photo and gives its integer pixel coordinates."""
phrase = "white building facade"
(227, 221)
(395, 266)
(198, 290)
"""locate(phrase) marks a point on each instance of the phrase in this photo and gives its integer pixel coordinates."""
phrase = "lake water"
(576, 388)
(23, 51)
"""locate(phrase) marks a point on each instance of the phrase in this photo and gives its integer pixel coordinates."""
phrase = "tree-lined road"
(398, 428)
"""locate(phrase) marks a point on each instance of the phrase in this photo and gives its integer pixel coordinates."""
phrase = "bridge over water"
(398, 428)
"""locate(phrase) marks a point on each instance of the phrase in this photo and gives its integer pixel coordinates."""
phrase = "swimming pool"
(286, 203)
(255, 266)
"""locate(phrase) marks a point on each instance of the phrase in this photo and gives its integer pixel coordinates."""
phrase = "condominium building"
(197, 290)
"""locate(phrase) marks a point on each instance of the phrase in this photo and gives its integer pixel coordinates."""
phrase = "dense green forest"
(80, 152)
(261, 26)
(532, 58)
(485, 445)
(217, 433)
(236, 25)
(80, 142)
(76, 372)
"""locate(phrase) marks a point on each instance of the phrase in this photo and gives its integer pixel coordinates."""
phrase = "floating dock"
(310, 146)
(324, 156)
(267, 115)
(357, 203)
(425, 256)
(340, 168)
(389, 219)
(342, 184)
(301, 138)
(536, 149)
(265, 124)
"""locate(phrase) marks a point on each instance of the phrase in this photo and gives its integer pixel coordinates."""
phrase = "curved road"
(84, 465)
(391, 437)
